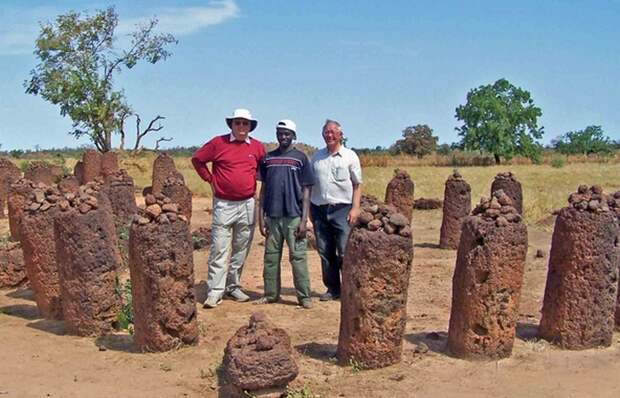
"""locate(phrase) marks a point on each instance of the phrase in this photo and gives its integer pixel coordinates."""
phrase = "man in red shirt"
(234, 159)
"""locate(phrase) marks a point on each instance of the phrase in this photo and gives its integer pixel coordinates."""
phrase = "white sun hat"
(287, 124)
(242, 114)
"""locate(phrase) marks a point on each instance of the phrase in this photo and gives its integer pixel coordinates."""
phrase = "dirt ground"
(38, 360)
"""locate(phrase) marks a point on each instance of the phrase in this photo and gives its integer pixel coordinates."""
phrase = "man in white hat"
(286, 176)
(234, 159)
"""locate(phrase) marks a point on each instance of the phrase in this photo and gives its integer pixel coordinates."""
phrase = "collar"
(232, 138)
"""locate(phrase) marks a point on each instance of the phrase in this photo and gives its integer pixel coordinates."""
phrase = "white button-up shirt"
(334, 176)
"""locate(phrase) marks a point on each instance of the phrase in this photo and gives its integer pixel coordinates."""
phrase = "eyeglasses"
(241, 123)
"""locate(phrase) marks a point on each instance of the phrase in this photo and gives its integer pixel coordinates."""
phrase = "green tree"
(500, 119)
(78, 61)
(590, 140)
(417, 140)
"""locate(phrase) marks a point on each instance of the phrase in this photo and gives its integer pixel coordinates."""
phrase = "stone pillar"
(582, 281)
(119, 189)
(91, 165)
(511, 187)
(259, 357)
(399, 193)
(37, 238)
(456, 207)
(12, 268)
(109, 163)
(487, 281)
(18, 194)
(40, 172)
(162, 280)
(375, 281)
(179, 193)
(69, 184)
(78, 172)
(9, 173)
(614, 203)
(163, 167)
(88, 259)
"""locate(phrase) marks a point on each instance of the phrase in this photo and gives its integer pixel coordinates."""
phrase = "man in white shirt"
(335, 203)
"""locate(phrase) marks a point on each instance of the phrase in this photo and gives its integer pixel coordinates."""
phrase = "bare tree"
(140, 133)
(162, 139)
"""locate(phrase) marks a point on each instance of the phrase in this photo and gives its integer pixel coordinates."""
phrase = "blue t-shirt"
(284, 174)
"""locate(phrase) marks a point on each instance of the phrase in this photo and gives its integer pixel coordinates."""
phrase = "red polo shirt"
(233, 166)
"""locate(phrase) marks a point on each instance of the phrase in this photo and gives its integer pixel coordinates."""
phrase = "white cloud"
(181, 21)
(20, 28)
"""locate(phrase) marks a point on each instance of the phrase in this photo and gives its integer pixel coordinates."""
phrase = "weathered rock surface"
(582, 281)
(162, 276)
(12, 268)
(119, 188)
(9, 173)
(40, 172)
(19, 192)
(109, 163)
(88, 259)
(259, 356)
(456, 207)
(163, 167)
(373, 311)
(511, 187)
(613, 202)
(78, 172)
(37, 238)
(69, 184)
(399, 193)
(91, 166)
(486, 286)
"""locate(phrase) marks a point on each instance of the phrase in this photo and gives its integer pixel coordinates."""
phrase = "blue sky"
(376, 66)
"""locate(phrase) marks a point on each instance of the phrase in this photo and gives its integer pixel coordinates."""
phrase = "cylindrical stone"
(456, 207)
(69, 184)
(162, 282)
(12, 269)
(486, 288)
(88, 259)
(180, 194)
(119, 188)
(373, 310)
(614, 204)
(9, 173)
(582, 280)
(40, 172)
(37, 238)
(109, 163)
(511, 187)
(163, 167)
(78, 172)
(91, 165)
(399, 193)
(18, 193)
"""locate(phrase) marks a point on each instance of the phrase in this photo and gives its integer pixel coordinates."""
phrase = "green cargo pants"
(280, 230)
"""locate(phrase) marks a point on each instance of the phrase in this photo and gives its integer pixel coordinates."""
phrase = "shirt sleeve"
(200, 159)
(355, 169)
(307, 172)
(260, 173)
(260, 176)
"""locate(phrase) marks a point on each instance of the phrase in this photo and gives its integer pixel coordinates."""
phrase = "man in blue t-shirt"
(287, 177)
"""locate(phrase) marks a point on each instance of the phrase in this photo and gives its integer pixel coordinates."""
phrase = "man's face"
(285, 137)
(241, 128)
(332, 134)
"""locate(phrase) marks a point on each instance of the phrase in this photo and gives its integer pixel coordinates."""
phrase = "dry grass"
(545, 188)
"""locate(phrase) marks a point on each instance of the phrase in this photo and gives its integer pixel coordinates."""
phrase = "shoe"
(263, 300)
(238, 295)
(211, 302)
(306, 304)
(328, 296)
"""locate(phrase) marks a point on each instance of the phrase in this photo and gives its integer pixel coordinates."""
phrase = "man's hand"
(301, 231)
(353, 214)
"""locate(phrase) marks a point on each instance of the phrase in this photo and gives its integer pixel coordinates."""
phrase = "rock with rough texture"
(19, 192)
(119, 188)
(399, 193)
(582, 281)
(78, 172)
(37, 238)
(9, 173)
(69, 184)
(613, 202)
(373, 310)
(427, 204)
(511, 187)
(40, 172)
(259, 356)
(109, 163)
(12, 268)
(163, 167)
(456, 207)
(88, 259)
(179, 193)
(91, 160)
(162, 277)
(486, 286)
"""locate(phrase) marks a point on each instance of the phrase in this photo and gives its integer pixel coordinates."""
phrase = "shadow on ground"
(435, 341)
(322, 351)
(116, 342)
(25, 311)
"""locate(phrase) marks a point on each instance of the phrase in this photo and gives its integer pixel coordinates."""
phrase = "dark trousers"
(332, 231)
